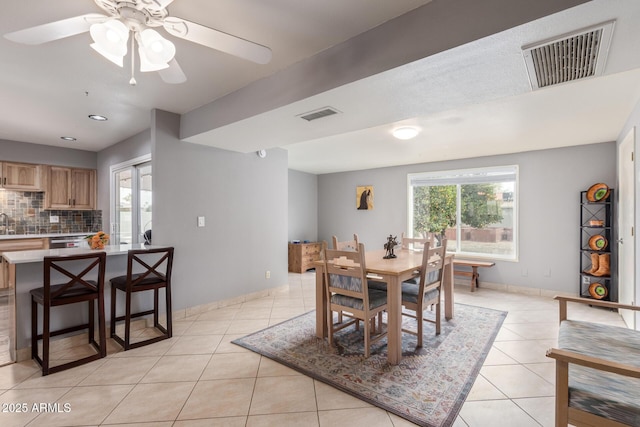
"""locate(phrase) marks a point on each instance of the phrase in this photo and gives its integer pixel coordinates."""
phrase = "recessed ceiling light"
(98, 117)
(406, 132)
(68, 138)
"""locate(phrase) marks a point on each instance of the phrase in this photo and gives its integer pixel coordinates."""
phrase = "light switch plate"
(200, 221)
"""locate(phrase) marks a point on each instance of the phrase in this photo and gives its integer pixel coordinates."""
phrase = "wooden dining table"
(393, 272)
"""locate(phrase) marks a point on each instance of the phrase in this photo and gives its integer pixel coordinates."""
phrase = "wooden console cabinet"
(302, 256)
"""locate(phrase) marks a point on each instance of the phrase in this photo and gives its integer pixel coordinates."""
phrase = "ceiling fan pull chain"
(133, 82)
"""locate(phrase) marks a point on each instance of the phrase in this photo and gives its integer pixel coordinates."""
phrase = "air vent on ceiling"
(569, 57)
(318, 114)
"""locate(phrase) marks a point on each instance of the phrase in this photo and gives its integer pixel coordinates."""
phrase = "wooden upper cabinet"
(20, 176)
(83, 188)
(69, 188)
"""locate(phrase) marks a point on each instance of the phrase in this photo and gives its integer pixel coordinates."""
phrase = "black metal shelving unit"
(589, 213)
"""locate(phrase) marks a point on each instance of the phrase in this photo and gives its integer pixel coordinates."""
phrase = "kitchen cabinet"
(8, 294)
(303, 255)
(69, 188)
(10, 245)
(20, 176)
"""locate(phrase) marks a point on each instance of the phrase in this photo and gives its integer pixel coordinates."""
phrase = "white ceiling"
(472, 100)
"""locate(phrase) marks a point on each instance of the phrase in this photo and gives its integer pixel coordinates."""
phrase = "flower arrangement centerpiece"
(98, 240)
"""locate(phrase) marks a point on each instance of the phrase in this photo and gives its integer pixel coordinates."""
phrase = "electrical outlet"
(525, 272)
(267, 274)
(200, 221)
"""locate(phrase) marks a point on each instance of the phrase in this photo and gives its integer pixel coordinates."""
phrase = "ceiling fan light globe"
(157, 49)
(157, 46)
(111, 37)
(116, 59)
(146, 65)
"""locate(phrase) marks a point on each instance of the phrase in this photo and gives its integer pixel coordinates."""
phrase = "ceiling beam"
(427, 30)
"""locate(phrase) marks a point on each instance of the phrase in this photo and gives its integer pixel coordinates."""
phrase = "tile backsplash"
(26, 215)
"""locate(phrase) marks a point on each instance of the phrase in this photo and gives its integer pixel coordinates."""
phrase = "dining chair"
(347, 245)
(417, 297)
(348, 293)
(416, 242)
(69, 280)
(147, 270)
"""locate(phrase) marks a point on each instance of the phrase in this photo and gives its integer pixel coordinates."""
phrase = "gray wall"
(131, 148)
(634, 122)
(46, 155)
(244, 201)
(549, 187)
(303, 206)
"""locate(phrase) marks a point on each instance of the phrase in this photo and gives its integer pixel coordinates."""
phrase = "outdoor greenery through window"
(474, 208)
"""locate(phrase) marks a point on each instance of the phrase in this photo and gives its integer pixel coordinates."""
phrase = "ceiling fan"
(129, 20)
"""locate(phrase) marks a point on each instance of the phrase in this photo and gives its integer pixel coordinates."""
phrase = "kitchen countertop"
(23, 257)
(40, 236)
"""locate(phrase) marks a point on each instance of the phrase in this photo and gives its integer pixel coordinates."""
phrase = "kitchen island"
(24, 271)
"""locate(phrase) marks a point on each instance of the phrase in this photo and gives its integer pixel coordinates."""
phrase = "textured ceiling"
(470, 99)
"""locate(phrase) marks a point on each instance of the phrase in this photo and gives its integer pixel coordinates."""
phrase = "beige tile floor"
(198, 378)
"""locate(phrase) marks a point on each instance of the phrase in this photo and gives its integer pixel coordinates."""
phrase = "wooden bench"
(474, 265)
(597, 370)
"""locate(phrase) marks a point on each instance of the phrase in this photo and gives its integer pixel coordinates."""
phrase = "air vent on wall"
(569, 57)
(318, 114)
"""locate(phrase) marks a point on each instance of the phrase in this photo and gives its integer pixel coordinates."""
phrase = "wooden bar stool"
(147, 270)
(72, 287)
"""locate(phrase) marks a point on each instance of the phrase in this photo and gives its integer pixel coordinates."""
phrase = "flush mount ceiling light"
(98, 117)
(133, 20)
(406, 132)
(68, 138)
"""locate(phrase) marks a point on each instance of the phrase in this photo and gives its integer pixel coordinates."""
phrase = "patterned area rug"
(428, 387)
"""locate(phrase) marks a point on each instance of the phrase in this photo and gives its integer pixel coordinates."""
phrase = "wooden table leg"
(447, 284)
(321, 304)
(394, 321)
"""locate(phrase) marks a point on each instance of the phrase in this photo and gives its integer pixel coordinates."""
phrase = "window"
(131, 201)
(474, 208)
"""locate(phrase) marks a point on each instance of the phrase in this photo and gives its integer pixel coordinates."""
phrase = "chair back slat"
(76, 270)
(431, 270)
(345, 272)
(416, 242)
(347, 245)
(145, 264)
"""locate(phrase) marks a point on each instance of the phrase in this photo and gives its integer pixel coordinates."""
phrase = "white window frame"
(468, 176)
(112, 187)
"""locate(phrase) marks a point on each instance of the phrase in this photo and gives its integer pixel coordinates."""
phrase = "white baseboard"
(63, 343)
(512, 289)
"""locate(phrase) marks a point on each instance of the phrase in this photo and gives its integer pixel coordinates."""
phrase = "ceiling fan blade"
(156, 4)
(173, 74)
(56, 30)
(218, 40)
